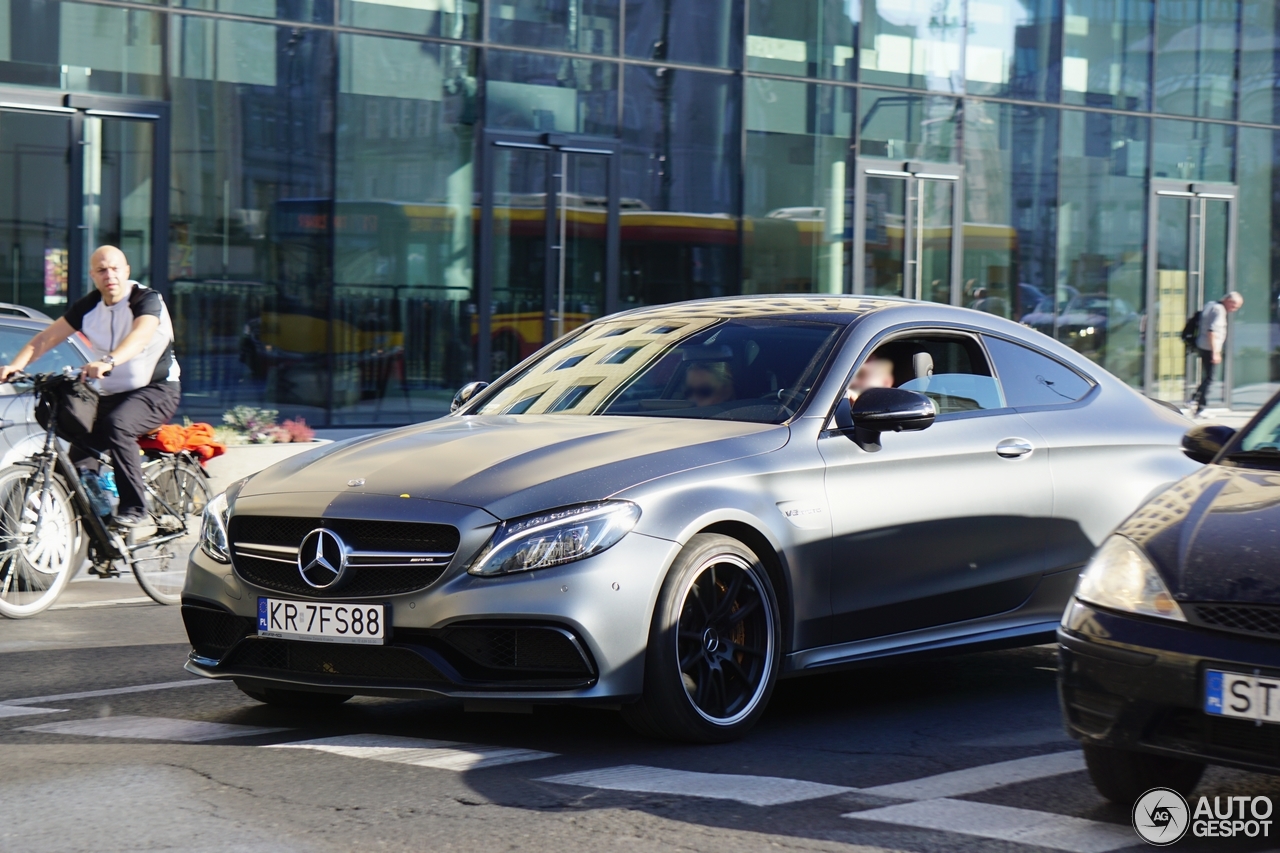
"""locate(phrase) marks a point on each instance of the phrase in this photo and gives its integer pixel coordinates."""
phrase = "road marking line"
(752, 790)
(10, 711)
(440, 754)
(113, 691)
(107, 603)
(1024, 826)
(150, 728)
(982, 778)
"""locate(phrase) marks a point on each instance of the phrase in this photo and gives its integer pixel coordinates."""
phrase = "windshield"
(758, 370)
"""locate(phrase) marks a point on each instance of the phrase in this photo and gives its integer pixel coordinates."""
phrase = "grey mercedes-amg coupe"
(670, 508)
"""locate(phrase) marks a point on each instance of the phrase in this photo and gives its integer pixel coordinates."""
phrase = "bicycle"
(48, 525)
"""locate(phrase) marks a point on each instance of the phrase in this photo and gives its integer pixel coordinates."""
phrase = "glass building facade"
(356, 206)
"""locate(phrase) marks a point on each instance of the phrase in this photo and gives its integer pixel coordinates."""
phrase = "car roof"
(14, 321)
(816, 306)
(10, 309)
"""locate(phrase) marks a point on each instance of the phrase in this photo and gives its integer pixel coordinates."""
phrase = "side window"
(1032, 379)
(62, 355)
(951, 370)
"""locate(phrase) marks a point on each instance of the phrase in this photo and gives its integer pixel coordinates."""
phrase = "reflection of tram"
(394, 316)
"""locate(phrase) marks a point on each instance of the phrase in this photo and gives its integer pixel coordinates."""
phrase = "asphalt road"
(959, 754)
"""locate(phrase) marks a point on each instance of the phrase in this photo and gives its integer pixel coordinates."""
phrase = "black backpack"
(1191, 331)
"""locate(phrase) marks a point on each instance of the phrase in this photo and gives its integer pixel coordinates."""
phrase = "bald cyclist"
(131, 337)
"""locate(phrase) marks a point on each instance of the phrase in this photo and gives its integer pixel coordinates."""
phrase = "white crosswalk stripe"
(752, 790)
(974, 779)
(150, 728)
(439, 754)
(16, 711)
(1043, 829)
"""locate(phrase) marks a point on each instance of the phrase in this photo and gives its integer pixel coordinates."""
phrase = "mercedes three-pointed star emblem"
(322, 559)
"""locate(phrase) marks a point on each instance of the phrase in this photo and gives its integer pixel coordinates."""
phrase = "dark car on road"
(1170, 649)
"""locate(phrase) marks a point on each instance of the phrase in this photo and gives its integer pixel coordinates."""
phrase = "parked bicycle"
(48, 522)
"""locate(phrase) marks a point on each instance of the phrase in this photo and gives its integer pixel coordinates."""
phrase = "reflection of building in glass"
(357, 206)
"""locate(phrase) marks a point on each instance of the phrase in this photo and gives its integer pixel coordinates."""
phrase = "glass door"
(548, 244)
(118, 174)
(76, 172)
(1192, 262)
(34, 220)
(906, 241)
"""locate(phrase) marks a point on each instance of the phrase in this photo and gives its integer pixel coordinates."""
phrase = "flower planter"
(241, 460)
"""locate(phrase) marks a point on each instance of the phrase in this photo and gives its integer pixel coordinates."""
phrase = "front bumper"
(1138, 684)
(576, 632)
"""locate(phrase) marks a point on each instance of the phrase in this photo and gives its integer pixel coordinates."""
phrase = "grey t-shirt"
(106, 326)
(1212, 319)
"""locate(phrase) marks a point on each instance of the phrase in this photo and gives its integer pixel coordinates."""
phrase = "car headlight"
(213, 529)
(555, 538)
(1121, 577)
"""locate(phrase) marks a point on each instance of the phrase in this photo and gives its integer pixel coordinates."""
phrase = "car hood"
(512, 465)
(1215, 536)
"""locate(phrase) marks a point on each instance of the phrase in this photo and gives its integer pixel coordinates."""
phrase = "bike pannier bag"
(77, 408)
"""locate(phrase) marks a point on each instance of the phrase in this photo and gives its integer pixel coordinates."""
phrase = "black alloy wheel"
(714, 646)
(724, 638)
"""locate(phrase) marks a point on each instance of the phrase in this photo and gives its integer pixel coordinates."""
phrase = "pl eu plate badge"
(1213, 692)
(262, 614)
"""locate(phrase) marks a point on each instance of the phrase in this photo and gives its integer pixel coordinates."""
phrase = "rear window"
(1031, 378)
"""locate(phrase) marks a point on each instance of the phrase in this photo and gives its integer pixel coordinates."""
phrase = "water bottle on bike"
(99, 498)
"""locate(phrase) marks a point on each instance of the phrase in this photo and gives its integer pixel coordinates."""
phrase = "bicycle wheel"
(39, 538)
(181, 493)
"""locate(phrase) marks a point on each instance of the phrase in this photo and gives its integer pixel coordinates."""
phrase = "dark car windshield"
(743, 369)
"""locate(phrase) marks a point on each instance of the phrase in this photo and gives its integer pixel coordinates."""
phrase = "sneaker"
(132, 517)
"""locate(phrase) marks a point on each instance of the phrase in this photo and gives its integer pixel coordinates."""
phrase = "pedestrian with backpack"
(1210, 335)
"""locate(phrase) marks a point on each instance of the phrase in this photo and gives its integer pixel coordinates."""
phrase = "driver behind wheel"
(131, 336)
(875, 372)
(709, 383)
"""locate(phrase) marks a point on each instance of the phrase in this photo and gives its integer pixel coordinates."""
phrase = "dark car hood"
(1215, 536)
(513, 465)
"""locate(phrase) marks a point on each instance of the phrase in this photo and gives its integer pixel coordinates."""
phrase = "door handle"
(1012, 448)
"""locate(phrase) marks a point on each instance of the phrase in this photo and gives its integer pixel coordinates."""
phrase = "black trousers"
(122, 418)
(1206, 377)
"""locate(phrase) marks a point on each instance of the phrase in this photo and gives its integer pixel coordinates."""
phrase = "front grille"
(1239, 618)
(362, 535)
(1260, 742)
(372, 538)
(384, 663)
(284, 577)
(532, 648)
(212, 632)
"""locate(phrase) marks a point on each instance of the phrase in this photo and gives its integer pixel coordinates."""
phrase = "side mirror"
(1203, 443)
(466, 393)
(880, 410)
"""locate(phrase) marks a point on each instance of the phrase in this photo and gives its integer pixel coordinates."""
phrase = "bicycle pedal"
(169, 523)
(104, 572)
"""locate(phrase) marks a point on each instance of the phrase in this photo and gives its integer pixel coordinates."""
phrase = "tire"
(300, 699)
(37, 558)
(714, 646)
(161, 570)
(1122, 775)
